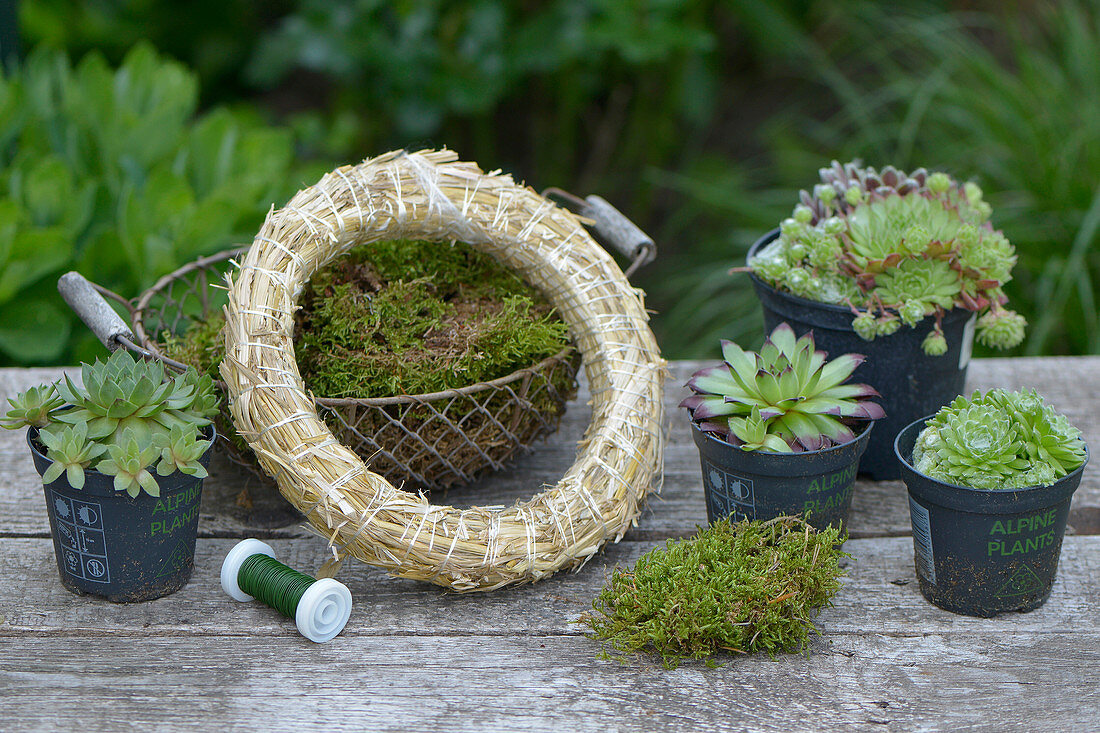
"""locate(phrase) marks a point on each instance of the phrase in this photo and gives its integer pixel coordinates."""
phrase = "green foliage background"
(111, 173)
(700, 119)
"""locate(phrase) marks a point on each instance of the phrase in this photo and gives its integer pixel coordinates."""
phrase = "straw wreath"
(432, 196)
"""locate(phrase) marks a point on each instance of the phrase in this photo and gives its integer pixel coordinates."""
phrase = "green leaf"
(10, 217)
(34, 253)
(210, 151)
(74, 473)
(837, 370)
(715, 380)
(147, 482)
(209, 229)
(769, 388)
(47, 190)
(743, 366)
(13, 111)
(52, 472)
(34, 330)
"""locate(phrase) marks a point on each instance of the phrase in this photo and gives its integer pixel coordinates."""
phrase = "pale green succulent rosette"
(129, 462)
(181, 450)
(1000, 440)
(1050, 439)
(929, 283)
(126, 417)
(977, 447)
(70, 452)
(32, 407)
(786, 398)
(1001, 329)
(896, 248)
(126, 394)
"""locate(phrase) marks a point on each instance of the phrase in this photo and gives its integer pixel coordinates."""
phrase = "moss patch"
(734, 587)
(404, 317)
(408, 317)
(415, 317)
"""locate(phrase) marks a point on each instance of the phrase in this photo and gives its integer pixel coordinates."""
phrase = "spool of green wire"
(320, 608)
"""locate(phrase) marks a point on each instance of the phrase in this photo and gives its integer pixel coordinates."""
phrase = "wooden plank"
(878, 509)
(547, 683)
(879, 594)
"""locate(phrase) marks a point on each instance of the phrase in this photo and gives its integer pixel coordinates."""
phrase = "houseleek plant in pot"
(780, 431)
(122, 457)
(903, 267)
(990, 481)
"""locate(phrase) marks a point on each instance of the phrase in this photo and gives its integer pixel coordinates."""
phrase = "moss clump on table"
(411, 317)
(735, 587)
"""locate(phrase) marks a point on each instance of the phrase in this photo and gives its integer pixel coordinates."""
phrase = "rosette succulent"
(127, 394)
(999, 440)
(123, 419)
(786, 398)
(70, 453)
(896, 248)
(32, 407)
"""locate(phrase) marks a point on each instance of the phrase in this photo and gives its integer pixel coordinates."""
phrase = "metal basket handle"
(89, 304)
(88, 301)
(612, 227)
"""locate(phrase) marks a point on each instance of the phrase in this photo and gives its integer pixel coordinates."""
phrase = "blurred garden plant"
(896, 248)
(109, 172)
(700, 119)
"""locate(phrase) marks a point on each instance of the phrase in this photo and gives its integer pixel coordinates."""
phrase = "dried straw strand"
(431, 195)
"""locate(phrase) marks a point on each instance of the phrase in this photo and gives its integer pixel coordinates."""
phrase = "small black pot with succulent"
(122, 458)
(990, 481)
(780, 431)
(903, 267)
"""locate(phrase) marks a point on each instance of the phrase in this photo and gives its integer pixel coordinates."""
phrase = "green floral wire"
(270, 581)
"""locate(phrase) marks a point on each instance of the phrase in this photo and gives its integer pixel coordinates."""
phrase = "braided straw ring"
(432, 196)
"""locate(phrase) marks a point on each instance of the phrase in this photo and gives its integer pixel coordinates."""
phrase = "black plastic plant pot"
(911, 382)
(123, 548)
(979, 552)
(763, 485)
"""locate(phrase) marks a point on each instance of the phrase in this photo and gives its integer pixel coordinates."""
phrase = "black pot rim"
(968, 498)
(773, 457)
(798, 300)
(208, 432)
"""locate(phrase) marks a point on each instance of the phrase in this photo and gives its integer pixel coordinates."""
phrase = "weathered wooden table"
(414, 657)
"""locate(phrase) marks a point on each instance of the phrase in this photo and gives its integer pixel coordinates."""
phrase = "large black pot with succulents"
(780, 431)
(903, 267)
(990, 481)
(122, 457)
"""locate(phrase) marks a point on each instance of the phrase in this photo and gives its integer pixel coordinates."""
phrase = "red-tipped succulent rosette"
(788, 397)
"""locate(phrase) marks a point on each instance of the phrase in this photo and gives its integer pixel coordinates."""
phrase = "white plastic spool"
(323, 610)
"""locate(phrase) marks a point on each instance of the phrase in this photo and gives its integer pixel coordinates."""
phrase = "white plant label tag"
(968, 342)
(922, 541)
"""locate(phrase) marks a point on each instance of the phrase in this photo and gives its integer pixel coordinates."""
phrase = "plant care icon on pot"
(729, 495)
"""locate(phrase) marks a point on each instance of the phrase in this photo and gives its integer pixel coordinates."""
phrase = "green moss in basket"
(405, 317)
(734, 587)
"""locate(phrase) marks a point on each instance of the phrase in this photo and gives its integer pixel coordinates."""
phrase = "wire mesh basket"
(432, 441)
